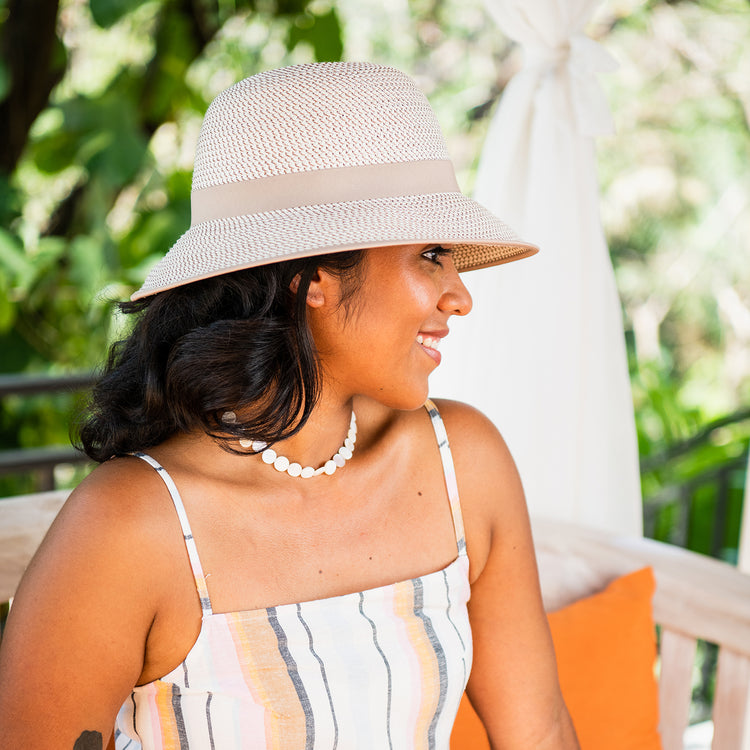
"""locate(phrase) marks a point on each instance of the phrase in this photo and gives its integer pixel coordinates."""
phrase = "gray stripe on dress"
(385, 661)
(208, 721)
(119, 734)
(450, 620)
(179, 719)
(322, 674)
(132, 700)
(293, 672)
(439, 656)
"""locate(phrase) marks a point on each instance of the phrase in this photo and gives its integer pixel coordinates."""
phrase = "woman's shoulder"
(121, 490)
(483, 463)
(112, 542)
(488, 482)
(470, 432)
(120, 514)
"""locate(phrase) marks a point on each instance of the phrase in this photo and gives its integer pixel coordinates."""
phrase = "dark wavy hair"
(237, 342)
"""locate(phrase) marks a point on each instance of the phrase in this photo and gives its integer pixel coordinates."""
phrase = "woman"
(272, 552)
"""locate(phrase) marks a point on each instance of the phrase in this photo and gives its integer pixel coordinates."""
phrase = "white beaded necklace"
(282, 463)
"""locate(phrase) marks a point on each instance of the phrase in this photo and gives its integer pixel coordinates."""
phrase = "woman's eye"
(436, 254)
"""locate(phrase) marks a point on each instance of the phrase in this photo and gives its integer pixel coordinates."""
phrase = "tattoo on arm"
(89, 741)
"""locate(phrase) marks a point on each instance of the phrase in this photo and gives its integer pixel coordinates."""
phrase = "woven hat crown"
(316, 116)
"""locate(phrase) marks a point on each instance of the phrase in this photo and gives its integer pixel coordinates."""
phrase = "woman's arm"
(75, 640)
(513, 684)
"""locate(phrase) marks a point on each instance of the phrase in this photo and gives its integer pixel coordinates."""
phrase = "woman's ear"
(319, 289)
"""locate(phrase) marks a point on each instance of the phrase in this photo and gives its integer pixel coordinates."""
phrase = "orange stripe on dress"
(267, 677)
(403, 605)
(167, 727)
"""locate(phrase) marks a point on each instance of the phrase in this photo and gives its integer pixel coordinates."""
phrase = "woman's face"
(384, 343)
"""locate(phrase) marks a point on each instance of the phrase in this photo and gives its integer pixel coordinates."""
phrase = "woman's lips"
(430, 344)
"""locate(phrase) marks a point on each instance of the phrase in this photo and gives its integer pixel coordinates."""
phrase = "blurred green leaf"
(7, 308)
(101, 134)
(56, 151)
(106, 13)
(85, 257)
(322, 32)
(4, 80)
(153, 234)
(13, 260)
(290, 7)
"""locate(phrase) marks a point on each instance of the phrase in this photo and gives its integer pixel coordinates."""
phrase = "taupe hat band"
(321, 186)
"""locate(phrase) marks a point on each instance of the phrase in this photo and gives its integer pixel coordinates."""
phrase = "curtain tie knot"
(577, 60)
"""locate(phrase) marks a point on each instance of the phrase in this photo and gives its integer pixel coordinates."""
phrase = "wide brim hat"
(321, 158)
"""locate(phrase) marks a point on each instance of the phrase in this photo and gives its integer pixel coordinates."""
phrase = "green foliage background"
(100, 105)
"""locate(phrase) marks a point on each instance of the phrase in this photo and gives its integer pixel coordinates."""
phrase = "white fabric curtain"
(543, 351)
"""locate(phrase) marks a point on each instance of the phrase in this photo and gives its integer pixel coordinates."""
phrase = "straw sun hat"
(320, 158)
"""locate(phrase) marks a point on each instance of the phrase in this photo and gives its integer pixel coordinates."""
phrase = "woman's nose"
(455, 298)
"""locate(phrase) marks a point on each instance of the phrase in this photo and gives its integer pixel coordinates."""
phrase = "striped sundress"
(381, 669)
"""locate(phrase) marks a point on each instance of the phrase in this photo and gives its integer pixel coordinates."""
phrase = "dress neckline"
(328, 600)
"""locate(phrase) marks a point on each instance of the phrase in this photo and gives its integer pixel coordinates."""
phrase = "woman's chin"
(406, 401)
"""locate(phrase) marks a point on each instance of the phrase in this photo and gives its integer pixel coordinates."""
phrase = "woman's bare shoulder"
(115, 520)
(122, 494)
(490, 489)
(111, 538)
(474, 437)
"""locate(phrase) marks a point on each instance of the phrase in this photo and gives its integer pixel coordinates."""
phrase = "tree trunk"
(35, 63)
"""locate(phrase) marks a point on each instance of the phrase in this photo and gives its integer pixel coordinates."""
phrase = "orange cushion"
(606, 650)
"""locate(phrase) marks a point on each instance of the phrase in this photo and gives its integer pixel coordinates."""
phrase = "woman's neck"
(321, 436)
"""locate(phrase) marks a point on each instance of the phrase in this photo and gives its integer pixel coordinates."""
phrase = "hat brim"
(478, 238)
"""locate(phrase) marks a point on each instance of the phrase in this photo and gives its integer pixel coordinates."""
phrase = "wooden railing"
(41, 460)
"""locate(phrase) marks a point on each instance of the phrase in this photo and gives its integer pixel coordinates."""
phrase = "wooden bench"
(24, 521)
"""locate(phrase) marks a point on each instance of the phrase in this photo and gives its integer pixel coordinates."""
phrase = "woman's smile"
(430, 342)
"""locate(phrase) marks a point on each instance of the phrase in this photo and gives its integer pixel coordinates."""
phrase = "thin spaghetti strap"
(192, 550)
(450, 474)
